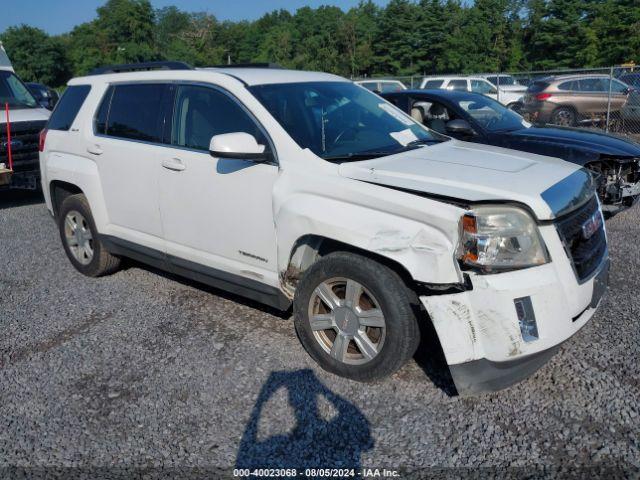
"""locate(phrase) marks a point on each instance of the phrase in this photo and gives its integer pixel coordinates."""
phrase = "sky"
(60, 16)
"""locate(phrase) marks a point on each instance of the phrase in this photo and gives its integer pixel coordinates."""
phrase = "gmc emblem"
(592, 225)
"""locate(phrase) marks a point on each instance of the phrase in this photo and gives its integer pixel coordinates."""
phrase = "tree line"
(404, 37)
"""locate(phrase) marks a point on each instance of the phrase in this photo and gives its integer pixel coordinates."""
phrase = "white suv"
(511, 97)
(303, 188)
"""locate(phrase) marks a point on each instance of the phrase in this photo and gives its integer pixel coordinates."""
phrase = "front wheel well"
(59, 192)
(309, 248)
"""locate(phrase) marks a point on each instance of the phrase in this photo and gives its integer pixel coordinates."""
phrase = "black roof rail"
(143, 66)
(250, 65)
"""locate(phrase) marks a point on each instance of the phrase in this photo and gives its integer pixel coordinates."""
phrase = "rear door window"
(68, 107)
(592, 85)
(133, 112)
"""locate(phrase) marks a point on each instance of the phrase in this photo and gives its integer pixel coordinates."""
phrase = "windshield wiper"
(417, 144)
(353, 156)
(426, 141)
(356, 156)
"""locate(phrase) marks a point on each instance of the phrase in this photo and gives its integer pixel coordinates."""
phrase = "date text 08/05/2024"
(317, 472)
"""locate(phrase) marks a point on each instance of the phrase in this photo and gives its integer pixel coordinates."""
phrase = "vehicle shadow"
(430, 357)
(314, 441)
(18, 198)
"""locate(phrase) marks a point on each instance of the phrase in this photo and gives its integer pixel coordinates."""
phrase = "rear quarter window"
(569, 86)
(68, 107)
(537, 87)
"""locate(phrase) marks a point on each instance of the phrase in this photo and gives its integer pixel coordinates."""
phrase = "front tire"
(80, 238)
(355, 317)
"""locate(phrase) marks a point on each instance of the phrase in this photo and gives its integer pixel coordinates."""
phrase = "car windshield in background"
(14, 92)
(492, 115)
(388, 87)
(341, 121)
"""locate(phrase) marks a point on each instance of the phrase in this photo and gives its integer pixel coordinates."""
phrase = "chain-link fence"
(602, 98)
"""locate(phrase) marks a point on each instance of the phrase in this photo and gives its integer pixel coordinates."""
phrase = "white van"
(303, 189)
(19, 167)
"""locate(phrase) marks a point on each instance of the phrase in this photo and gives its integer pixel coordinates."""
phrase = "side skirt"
(229, 282)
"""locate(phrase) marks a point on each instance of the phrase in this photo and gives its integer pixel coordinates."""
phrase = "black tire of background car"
(570, 116)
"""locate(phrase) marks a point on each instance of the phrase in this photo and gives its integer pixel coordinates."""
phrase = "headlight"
(500, 238)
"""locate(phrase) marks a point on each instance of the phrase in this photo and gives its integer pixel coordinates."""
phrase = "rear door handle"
(174, 164)
(94, 150)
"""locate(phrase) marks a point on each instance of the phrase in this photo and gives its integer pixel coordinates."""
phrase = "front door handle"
(174, 164)
(94, 149)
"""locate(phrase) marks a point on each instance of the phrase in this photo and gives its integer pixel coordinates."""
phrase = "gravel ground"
(142, 369)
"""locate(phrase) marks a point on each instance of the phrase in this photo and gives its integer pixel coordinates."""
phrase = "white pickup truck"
(301, 188)
(19, 166)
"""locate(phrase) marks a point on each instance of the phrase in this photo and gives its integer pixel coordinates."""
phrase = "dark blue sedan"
(476, 118)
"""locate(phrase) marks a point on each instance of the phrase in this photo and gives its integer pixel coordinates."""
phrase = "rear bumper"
(539, 112)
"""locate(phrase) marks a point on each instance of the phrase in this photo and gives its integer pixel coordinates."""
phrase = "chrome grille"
(24, 137)
(586, 254)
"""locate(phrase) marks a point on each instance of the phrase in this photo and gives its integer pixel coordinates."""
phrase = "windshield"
(14, 92)
(492, 115)
(339, 119)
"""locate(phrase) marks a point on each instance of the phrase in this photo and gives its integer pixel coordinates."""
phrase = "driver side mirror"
(459, 127)
(239, 146)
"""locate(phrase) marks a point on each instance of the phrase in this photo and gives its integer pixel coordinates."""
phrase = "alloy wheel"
(347, 321)
(78, 237)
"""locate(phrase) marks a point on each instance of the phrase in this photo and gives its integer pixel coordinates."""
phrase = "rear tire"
(564, 117)
(81, 240)
(367, 329)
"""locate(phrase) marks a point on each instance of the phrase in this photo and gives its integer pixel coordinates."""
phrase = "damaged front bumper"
(510, 324)
(626, 196)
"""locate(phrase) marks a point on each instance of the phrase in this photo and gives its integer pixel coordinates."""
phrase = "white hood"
(468, 171)
(24, 115)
